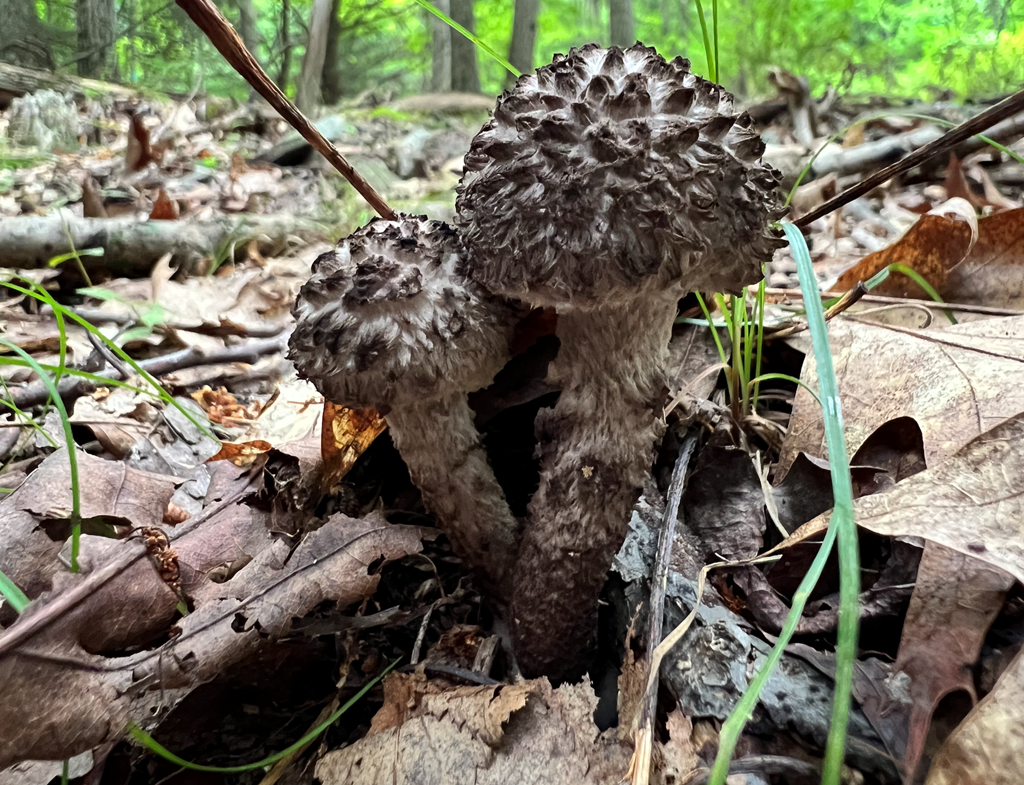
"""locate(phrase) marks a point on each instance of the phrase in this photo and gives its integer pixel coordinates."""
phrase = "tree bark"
(620, 23)
(22, 38)
(465, 76)
(308, 91)
(94, 22)
(441, 64)
(524, 35)
(247, 29)
(285, 72)
(331, 84)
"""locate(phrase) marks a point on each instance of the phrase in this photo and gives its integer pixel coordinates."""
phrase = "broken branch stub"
(389, 321)
(606, 185)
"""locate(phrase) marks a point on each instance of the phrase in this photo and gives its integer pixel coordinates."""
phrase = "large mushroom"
(606, 185)
(388, 320)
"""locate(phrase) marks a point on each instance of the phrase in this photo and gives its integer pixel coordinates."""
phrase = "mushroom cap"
(389, 318)
(610, 173)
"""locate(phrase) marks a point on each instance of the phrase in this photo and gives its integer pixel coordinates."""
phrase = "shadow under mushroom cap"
(610, 172)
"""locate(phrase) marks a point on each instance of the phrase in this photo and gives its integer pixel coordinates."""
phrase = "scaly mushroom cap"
(610, 171)
(388, 317)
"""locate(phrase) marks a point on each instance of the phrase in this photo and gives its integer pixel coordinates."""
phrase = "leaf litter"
(308, 547)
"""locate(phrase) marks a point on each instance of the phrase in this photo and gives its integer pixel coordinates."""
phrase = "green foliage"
(906, 47)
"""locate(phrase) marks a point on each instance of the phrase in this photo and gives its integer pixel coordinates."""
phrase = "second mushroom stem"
(441, 447)
(595, 447)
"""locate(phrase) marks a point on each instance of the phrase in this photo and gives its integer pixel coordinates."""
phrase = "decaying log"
(132, 247)
(16, 81)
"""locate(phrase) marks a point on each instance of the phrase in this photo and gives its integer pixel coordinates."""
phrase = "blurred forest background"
(332, 50)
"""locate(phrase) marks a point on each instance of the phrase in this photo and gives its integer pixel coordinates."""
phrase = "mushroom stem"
(595, 447)
(441, 447)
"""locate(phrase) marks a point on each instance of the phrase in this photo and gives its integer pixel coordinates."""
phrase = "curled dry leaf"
(993, 272)
(526, 732)
(241, 454)
(955, 383)
(345, 435)
(53, 711)
(955, 601)
(988, 747)
(932, 246)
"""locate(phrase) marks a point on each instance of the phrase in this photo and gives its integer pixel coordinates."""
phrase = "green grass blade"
(154, 746)
(476, 41)
(714, 329)
(841, 527)
(41, 294)
(714, 23)
(76, 508)
(15, 597)
(785, 377)
(708, 51)
(760, 338)
(842, 513)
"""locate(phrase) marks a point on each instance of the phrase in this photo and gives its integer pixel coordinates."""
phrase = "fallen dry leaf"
(345, 435)
(241, 453)
(988, 747)
(972, 503)
(53, 711)
(956, 185)
(525, 733)
(107, 490)
(956, 598)
(164, 209)
(993, 272)
(933, 246)
(955, 383)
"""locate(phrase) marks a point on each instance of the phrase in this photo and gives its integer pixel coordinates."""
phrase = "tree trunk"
(22, 39)
(94, 21)
(247, 29)
(524, 34)
(620, 22)
(331, 86)
(285, 72)
(308, 91)
(441, 64)
(465, 77)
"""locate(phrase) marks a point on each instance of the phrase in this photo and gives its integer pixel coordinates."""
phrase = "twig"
(848, 299)
(976, 125)
(73, 387)
(781, 296)
(222, 35)
(98, 316)
(644, 738)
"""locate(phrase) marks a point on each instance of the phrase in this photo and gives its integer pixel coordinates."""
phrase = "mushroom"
(388, 320)
(606, 185)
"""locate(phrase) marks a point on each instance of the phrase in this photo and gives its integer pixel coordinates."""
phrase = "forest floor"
(253, 558)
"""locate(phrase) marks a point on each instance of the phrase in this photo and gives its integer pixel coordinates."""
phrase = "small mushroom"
(388, 320)
(606, 185)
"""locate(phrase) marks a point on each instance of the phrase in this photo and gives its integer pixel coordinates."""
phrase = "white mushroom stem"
(441, 446)
(595, 446)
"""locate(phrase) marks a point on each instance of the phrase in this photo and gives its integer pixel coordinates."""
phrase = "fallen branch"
(132, 247)
(16, 81)
(1004, 110)
(222, 35)
(73, 387)
(221, 329)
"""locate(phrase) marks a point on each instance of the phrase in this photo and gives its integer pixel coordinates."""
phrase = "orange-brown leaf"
(345, 435)
(243, 454)
(932, 247)
(993, 272)
(164, 209)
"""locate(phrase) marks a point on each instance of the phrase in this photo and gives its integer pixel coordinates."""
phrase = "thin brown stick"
(976, 125)
(222, 35)
(75, 386)
(641, 765)
(849, 298)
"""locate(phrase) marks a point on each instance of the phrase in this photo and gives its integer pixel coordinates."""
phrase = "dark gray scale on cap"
(388, 316)
(655, 180)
